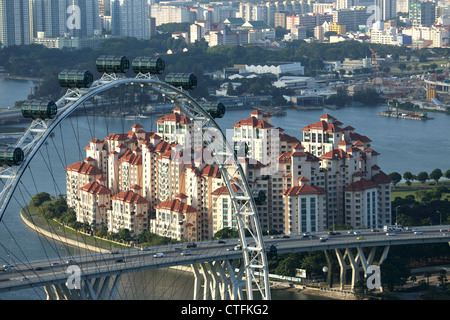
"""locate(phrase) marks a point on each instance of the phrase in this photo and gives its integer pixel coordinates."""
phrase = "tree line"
(421, 177)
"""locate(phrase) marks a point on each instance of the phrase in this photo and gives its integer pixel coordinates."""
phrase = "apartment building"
(150, 182)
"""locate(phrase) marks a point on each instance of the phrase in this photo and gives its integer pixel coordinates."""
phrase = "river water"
(404, 145)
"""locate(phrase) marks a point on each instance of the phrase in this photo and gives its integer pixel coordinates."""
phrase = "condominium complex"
(159, 181)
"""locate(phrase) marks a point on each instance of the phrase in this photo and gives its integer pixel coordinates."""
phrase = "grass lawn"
(402, 189)
(58, 228)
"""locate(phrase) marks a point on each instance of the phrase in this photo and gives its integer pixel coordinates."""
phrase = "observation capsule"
(184, 80)
(216, 111)
(75, 78)
(35, 109)
(11, 156)
(112, 64)
(148, 65)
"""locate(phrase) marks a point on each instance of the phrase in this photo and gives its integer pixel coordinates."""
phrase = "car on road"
(356, 232)
(114, 252)
(285, 237)
(222, 241)
(390, 233)
(360, 238)
(144, 249)
(418, 232)
(191, 245)
(306, 235)
(238, 247)
(185, 252)
(323, 238)
(119, 260)
(70, 261)
(375, 230)
(158, 255)
(333, 233)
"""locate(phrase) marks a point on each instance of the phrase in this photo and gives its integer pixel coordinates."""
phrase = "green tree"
(39, 199)
(422, 177)
(286, 267)
(436, 174)
(408, 176)
(396, 178)
(447, 174)
(394, 272)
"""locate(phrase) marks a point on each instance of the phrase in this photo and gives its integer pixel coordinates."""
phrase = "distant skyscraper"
(15, 27)
(52, 16)
(388, 8)
(89, 14)
(49, 16)
(130, 18)
(422, 13)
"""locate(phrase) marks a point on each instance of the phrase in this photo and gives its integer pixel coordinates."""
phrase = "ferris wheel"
(59, 130)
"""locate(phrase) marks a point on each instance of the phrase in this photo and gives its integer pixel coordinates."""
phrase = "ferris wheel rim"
(103, 85)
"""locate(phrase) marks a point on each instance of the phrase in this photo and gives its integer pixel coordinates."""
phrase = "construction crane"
(374, 62)
(377, 79)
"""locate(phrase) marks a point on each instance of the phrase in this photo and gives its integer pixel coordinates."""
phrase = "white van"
(158, 255)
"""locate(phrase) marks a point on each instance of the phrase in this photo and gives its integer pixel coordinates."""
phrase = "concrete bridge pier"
(219, 280)
(104, 288)
(357, 264)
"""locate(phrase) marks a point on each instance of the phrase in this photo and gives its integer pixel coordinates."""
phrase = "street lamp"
(325, 270)
(396, 214)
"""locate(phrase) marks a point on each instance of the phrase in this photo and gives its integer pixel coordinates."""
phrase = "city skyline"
(40, 21)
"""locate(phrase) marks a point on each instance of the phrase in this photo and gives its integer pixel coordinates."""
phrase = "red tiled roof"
(255, 123)
(327, 116)
(95, 188)
(178, 118)
(335, 154)
(131, 158)
(361, 185)
(323, 126)
(286, 157)
(130, 197)
(356, 136)
(303, 190)
(288, 138)
(382, 178)
(84, 168)
(117, 137)
(224, 190)
(176, 206)
(210, 171)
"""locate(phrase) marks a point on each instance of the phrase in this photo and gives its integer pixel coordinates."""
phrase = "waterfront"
(12, 90)
(404, 146)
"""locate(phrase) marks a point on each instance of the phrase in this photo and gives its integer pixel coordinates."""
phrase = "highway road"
(39, 273)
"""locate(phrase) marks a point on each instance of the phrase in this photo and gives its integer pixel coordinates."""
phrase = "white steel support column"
(219, 280)
(358, 263)
(91, 289)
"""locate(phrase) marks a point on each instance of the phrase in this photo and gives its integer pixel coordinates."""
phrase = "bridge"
(210, 263)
